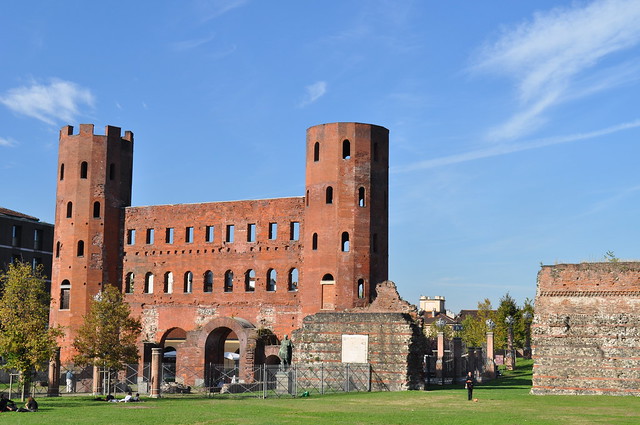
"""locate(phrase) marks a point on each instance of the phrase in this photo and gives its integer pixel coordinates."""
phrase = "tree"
(474, 328)
(27, 342)
(508, 307)
(107, 338)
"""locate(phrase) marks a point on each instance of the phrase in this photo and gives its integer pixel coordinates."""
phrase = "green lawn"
(505, 401)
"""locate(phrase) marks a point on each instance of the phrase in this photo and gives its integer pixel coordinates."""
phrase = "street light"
(511, 361)
(490, 325)
(440, 324)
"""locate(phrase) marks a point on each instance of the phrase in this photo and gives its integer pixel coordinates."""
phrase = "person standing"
(69, 378)
(468, 384)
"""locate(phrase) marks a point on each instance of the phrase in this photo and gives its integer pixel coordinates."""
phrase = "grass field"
(505, 401)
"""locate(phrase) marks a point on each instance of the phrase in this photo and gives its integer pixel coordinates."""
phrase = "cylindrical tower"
(94, 185)
(346, 217)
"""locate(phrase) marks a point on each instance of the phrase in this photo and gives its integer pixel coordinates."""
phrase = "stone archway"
(213, 337)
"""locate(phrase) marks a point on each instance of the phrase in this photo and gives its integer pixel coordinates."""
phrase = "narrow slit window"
(360, 288)
(61, 172)
(65, 295)
(314, 242)
(129, 283)
(228, 281)
(148, 283)
(346, 149)
(295, 231)
(293, 280)
(69, 209)
(131, 237)
(208, 281)
(168, 283)
(361, 193)
(307, 198)
(96, 209)
(208, 234)
(80, 249)
(84, 167)
(230, 233)
(151, 235)
(345, 242)
(271, 280)
(251, 232)
(250, 281)
(188, 282)
(58, 249)
(273, 231)
(316, 152)
(329, 195)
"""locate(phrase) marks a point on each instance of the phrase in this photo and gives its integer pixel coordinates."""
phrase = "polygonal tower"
(346, 215)
(94, 185)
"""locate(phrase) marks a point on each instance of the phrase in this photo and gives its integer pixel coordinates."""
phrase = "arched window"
(327, 278)
(83, 170)
(316, 152)
(58, 249)
(346, 149)
(69, 209)
(360, 288)
(208, 281)
(148, 283)
(96, 209)
(250, 280)
(228, 281)
(129, 283)
(65, 295)
(168, 283)
(80, 251)
(112, 171)
(271, 280)
(329, 195)
(188, 282)
(361, 192)
(314, 241)
(345, 242)
(293, 280)
(61, 171)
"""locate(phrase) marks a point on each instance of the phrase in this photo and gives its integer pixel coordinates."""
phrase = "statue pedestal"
(284, 383)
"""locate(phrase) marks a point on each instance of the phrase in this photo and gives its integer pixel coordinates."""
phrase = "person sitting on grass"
(31, 405)
(136, 397)
(7, 405)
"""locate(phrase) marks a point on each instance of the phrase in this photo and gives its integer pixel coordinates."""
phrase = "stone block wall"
(586, 330)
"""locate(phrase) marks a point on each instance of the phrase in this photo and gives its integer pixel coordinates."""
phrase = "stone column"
(53, 388)
(97, 381)
(440, 358)
(489, 364)
(510, 362)
(457, 358)
(156, 372)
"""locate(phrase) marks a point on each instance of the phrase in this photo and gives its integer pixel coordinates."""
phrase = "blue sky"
(514, 126)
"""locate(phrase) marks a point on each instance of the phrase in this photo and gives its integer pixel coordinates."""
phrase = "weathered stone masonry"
(586, 330)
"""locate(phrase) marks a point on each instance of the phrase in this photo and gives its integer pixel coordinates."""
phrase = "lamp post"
(511, 360)
(440, 324)
(490, 365)
(527, 316)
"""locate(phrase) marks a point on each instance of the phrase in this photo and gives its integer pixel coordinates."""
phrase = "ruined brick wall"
(586, 330)
(396, 343)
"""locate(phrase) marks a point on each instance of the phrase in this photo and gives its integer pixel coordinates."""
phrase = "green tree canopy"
(474, 328)
(108, 336)
(27, 342)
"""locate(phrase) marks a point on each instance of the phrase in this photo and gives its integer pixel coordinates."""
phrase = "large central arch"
(213, 336)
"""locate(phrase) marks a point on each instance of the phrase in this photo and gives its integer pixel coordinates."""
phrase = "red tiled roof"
(6, 211)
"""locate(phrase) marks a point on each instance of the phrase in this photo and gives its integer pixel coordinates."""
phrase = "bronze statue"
(285, 352)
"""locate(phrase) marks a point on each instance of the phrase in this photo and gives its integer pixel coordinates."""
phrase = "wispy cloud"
(545, 56)
(314, 92)
(51, 103)
(504, 149)
(7, 143)
(211, 9)
(190, 44)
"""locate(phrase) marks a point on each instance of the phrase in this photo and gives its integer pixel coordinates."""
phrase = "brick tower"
(346, 215)
(94, 184)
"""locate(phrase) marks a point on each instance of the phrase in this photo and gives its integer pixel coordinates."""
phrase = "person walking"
(468, 384)
(69, 377)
